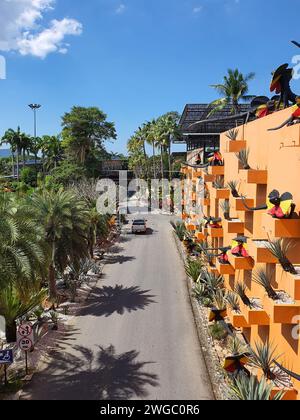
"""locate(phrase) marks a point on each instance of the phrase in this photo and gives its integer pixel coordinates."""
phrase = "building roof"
(198, 112)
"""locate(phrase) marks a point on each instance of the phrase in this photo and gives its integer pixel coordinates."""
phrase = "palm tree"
(65, 218)
(233, 89)
(52, 152)
(150, 136)
(169, 128)
(14, 139)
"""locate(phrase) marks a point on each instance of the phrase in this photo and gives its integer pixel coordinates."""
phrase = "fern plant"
(243, 157)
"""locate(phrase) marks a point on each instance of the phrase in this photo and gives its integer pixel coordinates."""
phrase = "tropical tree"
(234, 88)
(52, 152)
(17, 141)
(168, 129)
(65, 218)
(85, 129)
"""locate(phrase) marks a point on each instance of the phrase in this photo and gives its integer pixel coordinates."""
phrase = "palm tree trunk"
(13, 164)
(170, 163)
(162, 161)
(52, 282)
(154, 163)
(18, 166)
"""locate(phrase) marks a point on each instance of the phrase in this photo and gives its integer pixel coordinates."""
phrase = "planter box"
(241, 263)
(216, 170)
(239, 205)
(235, 146)
(216, 233)
(220, 194)
(282, 313)
(281, 228)
(225, 269)
(237, 320)
(200, 236)
(206, 202)
(291, 394)
(255, 316)
(253, 176)
(261, 254)
(289, 282)
(191, 227)
(208, 178)
(233, 226)
(213, 270)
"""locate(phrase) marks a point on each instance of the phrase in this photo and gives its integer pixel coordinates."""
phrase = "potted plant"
(260, 277)
(232, 185)
(233, 302)
(240, 289)
(225, 207)
(243, 157)
(232, 134)
(252, 389)
(279, 248)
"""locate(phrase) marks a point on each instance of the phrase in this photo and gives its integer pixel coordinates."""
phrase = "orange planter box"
(291, 394)
(200, 236)
(216, 233)
(206, 202)
(225, 269)
(254, 176)
(282, 313)
(281, 228)
(240, 263)
(216, 170)
(239, 205)
(261, 254)
(255, 316)
(237, 320)
(191, 228)
(208, 178)
(233, 226)
(220, 194)
(235, 146)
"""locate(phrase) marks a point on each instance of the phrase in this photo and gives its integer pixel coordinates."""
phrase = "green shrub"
(218, 331)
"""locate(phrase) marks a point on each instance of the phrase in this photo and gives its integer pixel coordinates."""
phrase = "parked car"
(139, 226)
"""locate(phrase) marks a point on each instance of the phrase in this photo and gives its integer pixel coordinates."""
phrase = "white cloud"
(120, 9)
(22, 28)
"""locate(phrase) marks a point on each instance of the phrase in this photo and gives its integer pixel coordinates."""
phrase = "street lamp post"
(34, 108)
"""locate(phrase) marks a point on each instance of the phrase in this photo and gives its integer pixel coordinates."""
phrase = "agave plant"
(236, 347)
(212, 281)
(179, 229)
(261, 277)
(243, 157)
(225, 207)
(233, 185)
(233, 302)
(202, 295)
(218, 331)
(219, 183)
(232, 134)
(279, 248)
(264, 358)
(240, 289)
(219, 301)
(252, 389)
(193, 269)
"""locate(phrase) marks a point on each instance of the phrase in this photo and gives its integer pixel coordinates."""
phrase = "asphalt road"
(135, 338)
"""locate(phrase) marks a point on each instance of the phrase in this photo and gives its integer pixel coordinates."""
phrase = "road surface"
(136, 338)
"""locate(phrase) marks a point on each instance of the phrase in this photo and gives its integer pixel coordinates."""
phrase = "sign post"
(25, 339)
(6, 358)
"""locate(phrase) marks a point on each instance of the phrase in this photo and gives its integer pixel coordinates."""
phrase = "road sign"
(6, 357)
(25, 330)
(25, 344)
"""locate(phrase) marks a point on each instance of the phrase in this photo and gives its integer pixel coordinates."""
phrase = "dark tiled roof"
(198, 112)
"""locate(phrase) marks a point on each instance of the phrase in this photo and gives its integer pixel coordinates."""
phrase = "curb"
(210, 356)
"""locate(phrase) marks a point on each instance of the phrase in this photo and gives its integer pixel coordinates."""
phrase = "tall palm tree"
(169, 128)
(14, 139)
(150, 136)
(52, 152)
(234, 88)
(65, 218)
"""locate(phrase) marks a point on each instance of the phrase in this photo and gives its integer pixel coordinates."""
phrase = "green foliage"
(232, 134)
(263, 357)
(85, 130)
(261, 277)
(193, 268)
(179, 229)
(28, 176)
(67, 172)
(252, 389)
(232, 300)
(218, 331)
(243, 157)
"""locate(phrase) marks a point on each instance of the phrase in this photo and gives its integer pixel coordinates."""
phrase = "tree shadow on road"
(107, 300)
(88, 376)
(117, 259)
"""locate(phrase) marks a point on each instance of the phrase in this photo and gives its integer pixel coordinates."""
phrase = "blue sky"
(135, 59)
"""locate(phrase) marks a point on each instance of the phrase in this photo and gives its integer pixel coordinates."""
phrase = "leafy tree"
(85, 129)
(18, 142)
(67, 172)
(233, 89)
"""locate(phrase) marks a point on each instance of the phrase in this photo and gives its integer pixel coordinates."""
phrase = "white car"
(139, 226)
